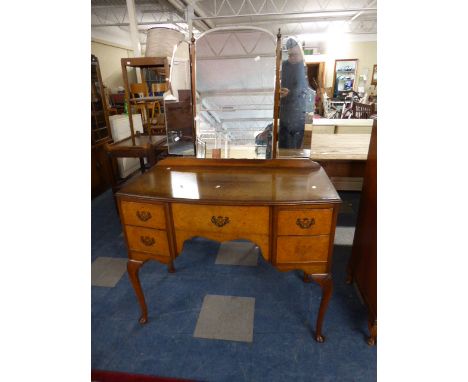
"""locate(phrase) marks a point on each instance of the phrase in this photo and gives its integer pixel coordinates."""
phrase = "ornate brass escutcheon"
(144, 215)
(305, 223)
(220, 221)
(146, 240)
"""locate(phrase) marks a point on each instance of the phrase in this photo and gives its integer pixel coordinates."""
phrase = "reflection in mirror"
(178, 104)
(344, 77)
(297, 100)
(235, 82)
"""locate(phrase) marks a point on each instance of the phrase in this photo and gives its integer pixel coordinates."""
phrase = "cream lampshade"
(160, 42)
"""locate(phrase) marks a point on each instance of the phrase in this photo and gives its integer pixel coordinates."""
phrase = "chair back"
(139, 90)
(159, 87)
(362, 110)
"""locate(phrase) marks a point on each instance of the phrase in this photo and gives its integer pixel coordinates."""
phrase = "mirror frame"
(171, 67)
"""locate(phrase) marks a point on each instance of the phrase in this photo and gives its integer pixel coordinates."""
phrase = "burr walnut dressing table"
(288, 207)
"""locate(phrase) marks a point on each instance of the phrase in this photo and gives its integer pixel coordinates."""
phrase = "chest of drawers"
(288, 208)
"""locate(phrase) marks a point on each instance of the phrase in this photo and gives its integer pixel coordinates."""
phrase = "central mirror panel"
(235, 83)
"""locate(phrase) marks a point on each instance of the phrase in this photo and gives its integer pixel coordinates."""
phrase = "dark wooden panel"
(179, 119)
(362, 267)
(344, 167)
(101, 171)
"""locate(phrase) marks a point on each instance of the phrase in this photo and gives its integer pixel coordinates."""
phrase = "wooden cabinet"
(100, 133)
(288, 208)
(362, 267)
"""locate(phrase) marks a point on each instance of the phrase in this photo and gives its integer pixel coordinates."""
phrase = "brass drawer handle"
(305, 223)
(220, 221)
(143, 215)
(148, 241)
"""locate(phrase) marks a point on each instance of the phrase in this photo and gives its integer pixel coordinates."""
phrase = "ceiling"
(306, 19)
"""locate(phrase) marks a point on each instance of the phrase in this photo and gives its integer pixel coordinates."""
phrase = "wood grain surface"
(144, 214)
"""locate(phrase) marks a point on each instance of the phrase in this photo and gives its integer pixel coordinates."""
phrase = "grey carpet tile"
(226, 318)
(344, 235)
(107, 271)
(237, 253)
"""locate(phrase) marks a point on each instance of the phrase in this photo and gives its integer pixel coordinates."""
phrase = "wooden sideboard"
(287, 207)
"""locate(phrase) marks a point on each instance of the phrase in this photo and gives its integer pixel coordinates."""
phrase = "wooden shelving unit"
(101, 169)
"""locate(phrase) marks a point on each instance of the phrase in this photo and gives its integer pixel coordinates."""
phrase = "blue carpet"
(283, 348)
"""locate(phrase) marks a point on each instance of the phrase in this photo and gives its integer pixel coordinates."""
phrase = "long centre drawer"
(221, 219)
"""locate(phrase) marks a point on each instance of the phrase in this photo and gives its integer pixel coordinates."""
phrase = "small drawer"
(144, 214)
(147, 240)
(305, 222)
(297, 249)
(221, 219)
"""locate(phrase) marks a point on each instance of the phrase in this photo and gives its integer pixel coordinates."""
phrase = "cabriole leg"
(133, 268)
(326, 283)
(373, 332)
(170, 266)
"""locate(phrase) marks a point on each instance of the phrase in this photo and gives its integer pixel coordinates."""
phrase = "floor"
(226, 314)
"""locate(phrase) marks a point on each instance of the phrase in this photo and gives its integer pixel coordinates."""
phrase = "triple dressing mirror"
(229, 112)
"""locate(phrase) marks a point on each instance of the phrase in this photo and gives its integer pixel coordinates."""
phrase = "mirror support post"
(277, 95)
(194, 93)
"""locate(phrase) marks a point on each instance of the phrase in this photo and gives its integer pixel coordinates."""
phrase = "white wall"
(109, 61)
(365, 52)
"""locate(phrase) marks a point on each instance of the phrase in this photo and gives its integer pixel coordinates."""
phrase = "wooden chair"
(362, 110)
(139, 90)
(158, 88)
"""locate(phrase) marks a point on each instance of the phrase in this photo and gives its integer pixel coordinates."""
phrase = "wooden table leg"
(151, 156)
(326, 283)
(373, 332)
(142, 165)
(132, 268)
(114, 181)
(170, 266)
